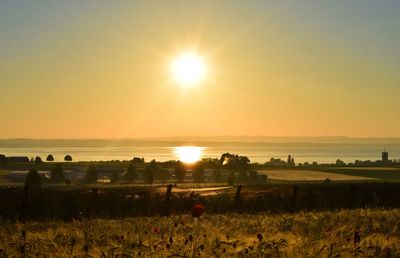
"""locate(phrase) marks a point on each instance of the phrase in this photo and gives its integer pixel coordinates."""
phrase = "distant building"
(385, 156)
(17, 159)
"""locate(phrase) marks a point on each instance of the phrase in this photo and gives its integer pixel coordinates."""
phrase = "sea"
(261, 153)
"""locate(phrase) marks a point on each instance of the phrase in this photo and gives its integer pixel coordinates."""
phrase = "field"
(346, 233)
(309, 175)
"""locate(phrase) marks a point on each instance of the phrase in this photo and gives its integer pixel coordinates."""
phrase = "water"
(321, 153)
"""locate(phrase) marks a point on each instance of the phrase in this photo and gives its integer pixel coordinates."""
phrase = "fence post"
(167, 202)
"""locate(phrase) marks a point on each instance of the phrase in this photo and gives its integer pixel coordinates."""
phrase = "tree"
(234, 162)
(3, 158)
(38, 160)
(91, 175)
(131, 174)
(137, 160)
(50, 158)
(198, 173)
(33, 178)
(253, 176)
(57, 174)
(68, 158)
(149, 172)
(180, 171)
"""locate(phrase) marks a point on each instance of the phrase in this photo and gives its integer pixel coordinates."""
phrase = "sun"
(189, 154)
(188, 69)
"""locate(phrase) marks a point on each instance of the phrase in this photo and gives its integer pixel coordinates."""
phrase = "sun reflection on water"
(188, 154)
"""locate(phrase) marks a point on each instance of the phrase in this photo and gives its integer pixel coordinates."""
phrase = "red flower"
(197, 210)
(157, 230)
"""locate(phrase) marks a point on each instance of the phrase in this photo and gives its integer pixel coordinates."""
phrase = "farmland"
(345, 233)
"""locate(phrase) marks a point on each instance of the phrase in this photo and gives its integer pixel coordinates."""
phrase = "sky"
(101, 69)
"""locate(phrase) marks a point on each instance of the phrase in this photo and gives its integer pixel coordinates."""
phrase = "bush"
(131, 174)
(38, 160)
(91, 175)
(149, 172)
(180, 171)
(33, 179)
(198, 173)
(50, 158)
(68, 158)
(3, 158)
(57, 174)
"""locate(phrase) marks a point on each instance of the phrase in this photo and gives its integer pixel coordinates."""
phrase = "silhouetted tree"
(180, 171)
(68, 158)
(91, 175)
(234, 162)
(33, 178)
(3, 158)
(149, 172)
(50, 158)
(131, 174)
(38, 160)
(57, 174)
(137, 160)
(198, 173)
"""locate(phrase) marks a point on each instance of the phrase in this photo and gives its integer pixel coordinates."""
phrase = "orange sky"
(96, 70)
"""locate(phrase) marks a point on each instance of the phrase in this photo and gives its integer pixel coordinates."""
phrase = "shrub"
(91, 175)
(198, 173)
(68, 158)
(3, 158)
(180, 171)
(50, 158)
(131, 174)
(33, 178)
(57, 174)
(38, 160)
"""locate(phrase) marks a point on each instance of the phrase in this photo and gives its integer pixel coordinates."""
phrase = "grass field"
(383, 174)
(346, 233)
(310, 175)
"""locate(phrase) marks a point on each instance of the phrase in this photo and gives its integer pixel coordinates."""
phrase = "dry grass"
(347, 233)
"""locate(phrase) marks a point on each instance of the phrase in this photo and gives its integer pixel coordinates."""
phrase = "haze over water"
(302, 152)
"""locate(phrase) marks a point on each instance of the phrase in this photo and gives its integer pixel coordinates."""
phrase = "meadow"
(342, 233)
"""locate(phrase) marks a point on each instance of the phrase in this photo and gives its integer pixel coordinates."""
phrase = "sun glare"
(189, 154)
(188, 69)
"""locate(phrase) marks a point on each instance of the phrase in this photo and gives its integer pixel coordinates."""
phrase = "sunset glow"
(189, 154)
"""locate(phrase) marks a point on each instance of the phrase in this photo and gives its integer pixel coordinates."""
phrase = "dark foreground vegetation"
(344, 233)
(91, 201)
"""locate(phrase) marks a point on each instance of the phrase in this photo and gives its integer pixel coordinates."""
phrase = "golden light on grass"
(189, 154)
(188, 69)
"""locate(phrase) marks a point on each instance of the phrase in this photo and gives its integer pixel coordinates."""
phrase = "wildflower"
(171, 239)
(260, 237)
(156, 230)
(86, 248)
(190, 238)
(198, 210)
(175, 224)
(168, 246)
(145, 232)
